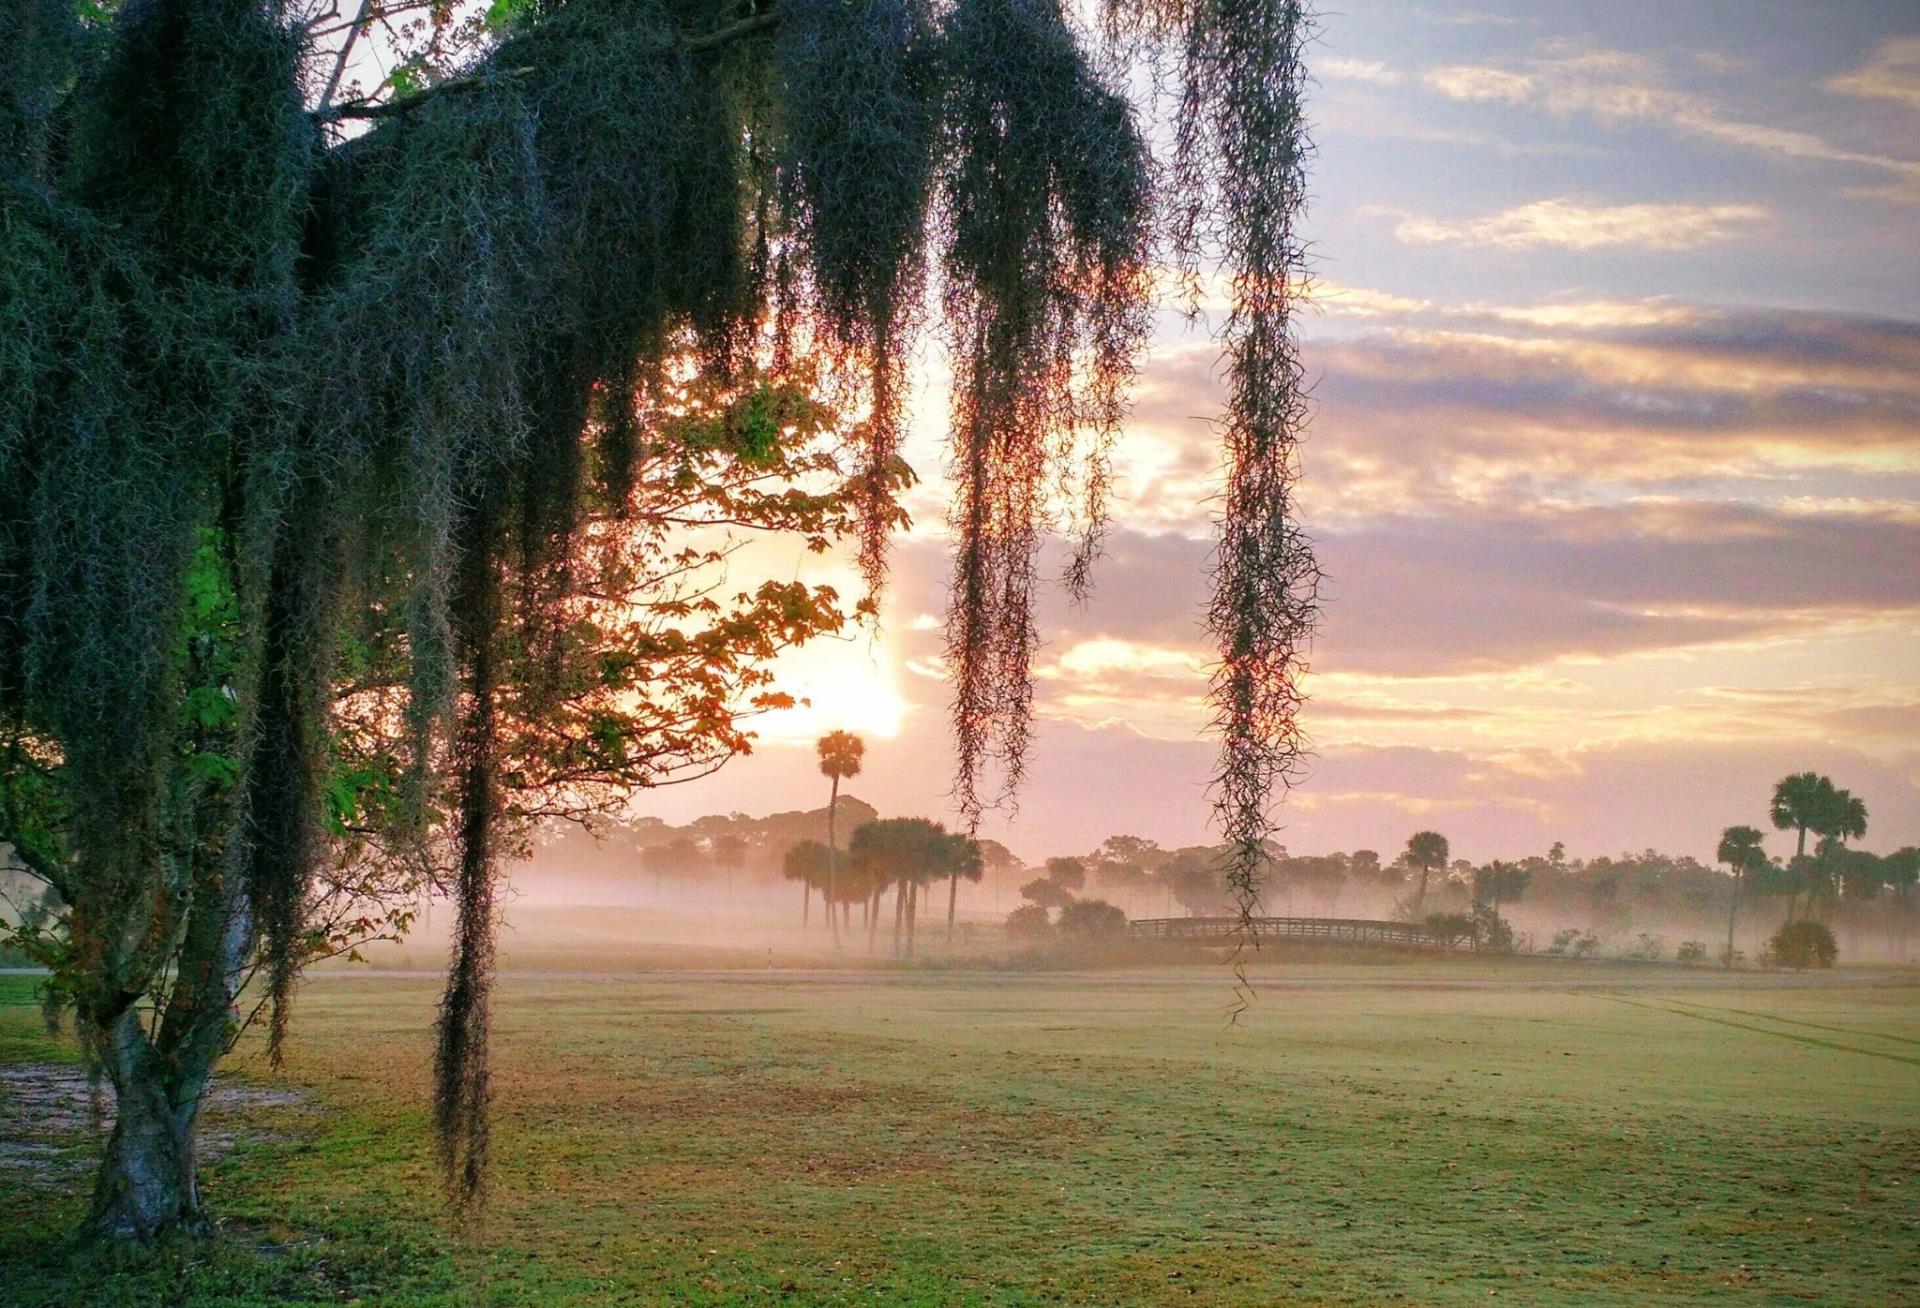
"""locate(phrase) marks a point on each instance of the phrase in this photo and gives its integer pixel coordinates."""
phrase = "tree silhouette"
(1499, 883)
(1844, 817)
(906, 854)
(729, 852)
(840, 753)
(1426, 850)
(1067, 873)
(806, 862)
(1801, 802)
(962, 860)
(1740, 849)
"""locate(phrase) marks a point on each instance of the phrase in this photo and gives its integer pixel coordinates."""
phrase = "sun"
(844, 685)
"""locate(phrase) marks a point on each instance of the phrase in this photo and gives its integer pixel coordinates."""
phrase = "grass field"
(1442, 1132)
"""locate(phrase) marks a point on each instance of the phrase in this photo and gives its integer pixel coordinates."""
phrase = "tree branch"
(408, 103)
(733, 31)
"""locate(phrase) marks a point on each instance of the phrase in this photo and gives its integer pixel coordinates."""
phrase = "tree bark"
(833, 857)
(913, 912)
(146, 1185)
(1733, 907)
(148, 1182)
(899, 913)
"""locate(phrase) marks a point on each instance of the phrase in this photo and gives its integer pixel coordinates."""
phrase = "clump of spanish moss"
(349, 451)
(860, 117)
(1045, 193)
(1237, 188)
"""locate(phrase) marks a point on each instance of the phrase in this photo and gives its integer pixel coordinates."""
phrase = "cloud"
(1488, 590)
(1615, 84)
(1465, 18)
(1588, 314)
(1573, 225)
(1370, 71)
(1342, 301)
(1891, 73)
(1463, 82)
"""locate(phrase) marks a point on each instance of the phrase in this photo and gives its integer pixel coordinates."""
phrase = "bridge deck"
(1335, 930)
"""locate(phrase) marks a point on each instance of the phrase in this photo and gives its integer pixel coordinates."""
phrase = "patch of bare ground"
(55, 1116)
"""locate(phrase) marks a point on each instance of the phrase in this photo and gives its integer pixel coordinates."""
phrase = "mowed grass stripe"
(1796, 1021)
(1761, 1030)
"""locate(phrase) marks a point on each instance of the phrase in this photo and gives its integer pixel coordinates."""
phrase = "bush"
(1646, 949)
(1092, 919)
(1804, 944)
(1693, 951)
(1732, 957)
(1028, 922)
(1586, 946)
(1449, 927)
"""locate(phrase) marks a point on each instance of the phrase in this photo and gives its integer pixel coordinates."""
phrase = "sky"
(1614, 465)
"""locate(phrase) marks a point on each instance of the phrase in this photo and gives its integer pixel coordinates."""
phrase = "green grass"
(1433, 1133)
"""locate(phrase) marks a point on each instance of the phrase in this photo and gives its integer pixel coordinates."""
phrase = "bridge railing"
(1343, 930)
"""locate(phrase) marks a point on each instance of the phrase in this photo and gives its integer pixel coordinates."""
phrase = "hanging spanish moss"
(861, 112)
(1045, 199)
(1242, 145)
(349, 451)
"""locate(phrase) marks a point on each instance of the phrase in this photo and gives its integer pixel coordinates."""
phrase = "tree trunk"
(953, 896)
(873, 916)
(806, 901)
(913, 912)
(1733, 907)
(1420, 896)
(146, 1184)
(833, 858)
(899, 913)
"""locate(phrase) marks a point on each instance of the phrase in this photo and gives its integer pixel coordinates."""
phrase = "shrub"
(1646, 949)
(1450, 926)
(1732, 957)
(1092, 919)
(1028, 922)
(1586, 946)
(1693, 951)
(1563, 941)
(1804, 944)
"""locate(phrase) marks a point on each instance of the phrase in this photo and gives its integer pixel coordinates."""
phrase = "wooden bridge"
(1330, 930)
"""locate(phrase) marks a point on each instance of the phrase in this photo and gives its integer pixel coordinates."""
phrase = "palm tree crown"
(1740, 848)
(1801, 802)
(840, 753)
(1427, 849)
(1845, 817)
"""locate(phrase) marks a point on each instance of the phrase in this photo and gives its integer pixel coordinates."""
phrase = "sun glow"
(843, 685)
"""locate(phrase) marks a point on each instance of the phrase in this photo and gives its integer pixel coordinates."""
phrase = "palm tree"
(962, 857)
(840, 753)
(1801, 802)
(1740, 850)
(1845, 818)
(804, 863)
(1426, 850)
